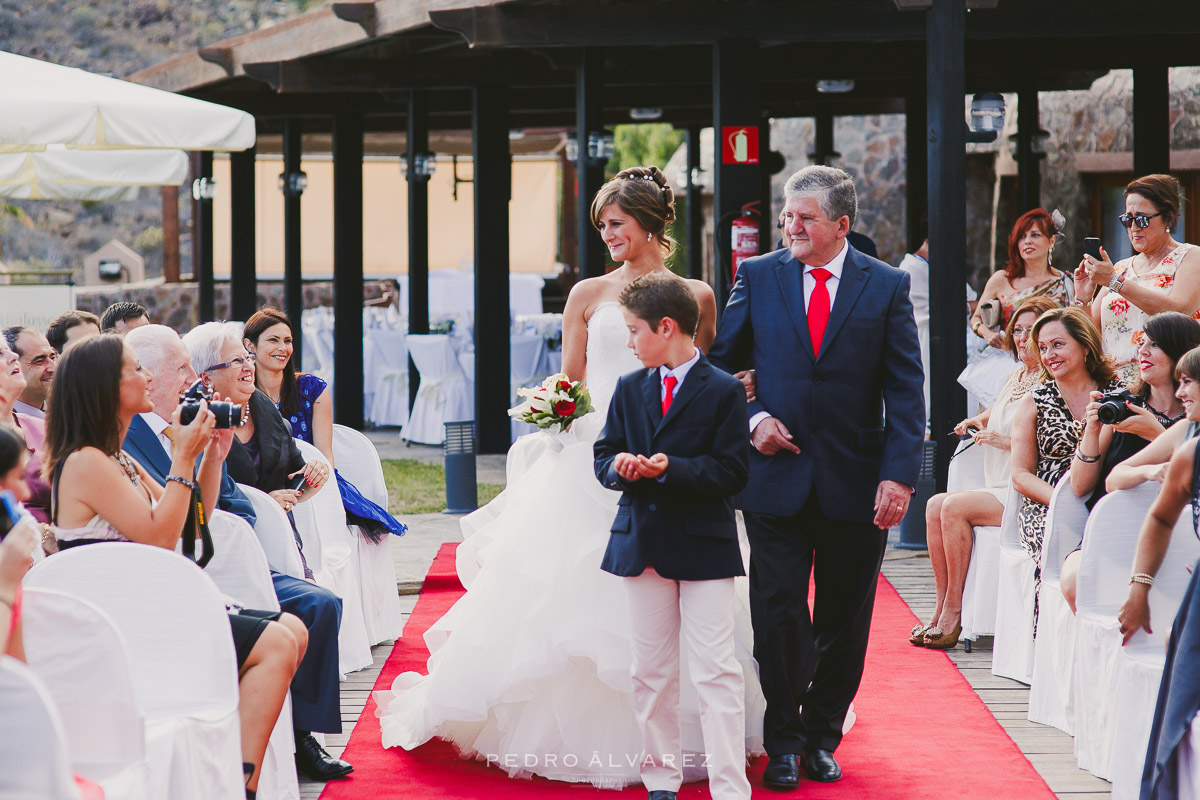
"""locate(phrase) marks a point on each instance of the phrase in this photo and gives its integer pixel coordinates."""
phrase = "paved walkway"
(1049, 750)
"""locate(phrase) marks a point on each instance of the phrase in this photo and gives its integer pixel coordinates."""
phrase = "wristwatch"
(1116, 283)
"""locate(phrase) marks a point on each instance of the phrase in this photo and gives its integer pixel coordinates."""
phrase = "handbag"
(989, 313)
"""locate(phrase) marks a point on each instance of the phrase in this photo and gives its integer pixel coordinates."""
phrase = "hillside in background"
(112, 37)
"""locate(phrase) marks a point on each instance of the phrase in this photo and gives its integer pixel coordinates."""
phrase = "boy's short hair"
(662, 294)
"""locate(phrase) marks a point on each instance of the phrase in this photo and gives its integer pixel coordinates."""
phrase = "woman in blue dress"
(304, 401)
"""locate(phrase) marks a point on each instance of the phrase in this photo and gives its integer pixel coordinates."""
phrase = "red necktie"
(669, 384)
(818, 308)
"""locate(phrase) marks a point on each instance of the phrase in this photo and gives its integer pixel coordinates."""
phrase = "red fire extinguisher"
(743, 235)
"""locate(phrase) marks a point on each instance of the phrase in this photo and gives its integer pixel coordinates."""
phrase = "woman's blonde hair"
(1038, 305)
(644, 194)
(1080, 328)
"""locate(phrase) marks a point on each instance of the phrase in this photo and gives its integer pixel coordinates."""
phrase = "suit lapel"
(790, 274)
(154, 456)
(696, 378)
(652, 395)
(853, 281)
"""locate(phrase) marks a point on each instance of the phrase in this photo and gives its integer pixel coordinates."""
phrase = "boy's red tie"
(669, 383)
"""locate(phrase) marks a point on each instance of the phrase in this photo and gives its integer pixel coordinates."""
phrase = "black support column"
(947, 171)
(293, 278)
(1029, 177)
(1151, 119)
(348, 269)
(589, 118)
(493, 185)
(736, 77)
(823, 151)
(418, 228)
(916, 166)
(695, 206)
(243, 287)
(202, 238)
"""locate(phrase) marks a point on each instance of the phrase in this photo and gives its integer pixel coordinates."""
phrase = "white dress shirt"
(21, 407)
(835, 267)
(159, 425)
(679, 372)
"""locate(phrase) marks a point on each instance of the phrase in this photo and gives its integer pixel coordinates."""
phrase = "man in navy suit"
(675, 446)
(831, 337)
(316, 693)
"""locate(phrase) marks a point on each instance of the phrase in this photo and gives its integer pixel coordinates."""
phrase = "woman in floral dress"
(1162, 275)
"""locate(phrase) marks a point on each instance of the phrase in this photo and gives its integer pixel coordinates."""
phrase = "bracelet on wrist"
(188, 482)
(1086, 459)
(1142, 578)
(1116, 284)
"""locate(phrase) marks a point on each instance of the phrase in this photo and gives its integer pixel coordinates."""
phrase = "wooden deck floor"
(1048, 749)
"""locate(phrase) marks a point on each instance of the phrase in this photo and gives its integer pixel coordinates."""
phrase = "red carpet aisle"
(922, 733)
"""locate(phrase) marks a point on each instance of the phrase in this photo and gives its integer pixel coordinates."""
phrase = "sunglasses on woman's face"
(1141, 220)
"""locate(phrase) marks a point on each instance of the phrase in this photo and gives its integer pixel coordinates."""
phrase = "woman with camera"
(950, 517)
(101, 494)
(1162, 275)
(1050, 419)
(1120, 425)
(263, 454)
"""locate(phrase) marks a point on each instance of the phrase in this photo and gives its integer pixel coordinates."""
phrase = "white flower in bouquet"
(558, 401)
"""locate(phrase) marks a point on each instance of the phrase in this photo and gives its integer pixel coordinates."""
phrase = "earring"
(649, 236)
(1050, 257)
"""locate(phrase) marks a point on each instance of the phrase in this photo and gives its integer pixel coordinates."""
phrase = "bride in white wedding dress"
(530, 669)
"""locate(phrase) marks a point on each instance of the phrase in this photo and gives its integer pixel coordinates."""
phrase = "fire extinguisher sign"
(739, 145)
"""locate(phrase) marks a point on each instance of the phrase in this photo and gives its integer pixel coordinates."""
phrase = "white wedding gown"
(530, 669)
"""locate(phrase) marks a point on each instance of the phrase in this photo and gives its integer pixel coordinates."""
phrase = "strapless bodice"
(608, 358)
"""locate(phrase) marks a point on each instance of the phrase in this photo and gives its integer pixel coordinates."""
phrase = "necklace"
(127, 464)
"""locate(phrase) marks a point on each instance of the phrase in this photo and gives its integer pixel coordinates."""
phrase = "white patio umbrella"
(59, 173)
(43, 104)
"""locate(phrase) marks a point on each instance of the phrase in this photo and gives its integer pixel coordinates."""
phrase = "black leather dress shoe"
(820, 765)
(315, 763)
(661, 794)
(782, 772)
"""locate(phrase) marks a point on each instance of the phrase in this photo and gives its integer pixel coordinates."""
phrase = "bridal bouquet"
(558, 401)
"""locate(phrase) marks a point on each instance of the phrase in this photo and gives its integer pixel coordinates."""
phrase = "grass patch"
(415, 487)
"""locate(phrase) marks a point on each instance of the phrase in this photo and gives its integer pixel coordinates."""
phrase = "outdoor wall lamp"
(293, 184)
(204, 189)
(987, 117)
(838, 86)
(425, 165)
(645, 114)
(1038, 144)
(697, 177)
(600, 146)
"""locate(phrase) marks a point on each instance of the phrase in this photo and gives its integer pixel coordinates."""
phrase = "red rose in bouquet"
(564, 408)
(564, 386)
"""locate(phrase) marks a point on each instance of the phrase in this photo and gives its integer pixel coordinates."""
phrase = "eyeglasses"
(239, 362)
(1141, 220)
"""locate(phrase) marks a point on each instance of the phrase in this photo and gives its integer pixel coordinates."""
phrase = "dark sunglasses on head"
(1141, 220)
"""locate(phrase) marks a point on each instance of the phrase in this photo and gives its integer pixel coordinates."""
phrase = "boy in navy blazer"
(675, 446)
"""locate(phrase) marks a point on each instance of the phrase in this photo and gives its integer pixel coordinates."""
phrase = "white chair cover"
(1054, 647)
(446, 394)
(322, 518)
(358, 461)
(1142, 660)
(33, 746)
(1188, 770)
(385, 387)
(1102, 586)
(1012, 649)
(103, 723)
(239, 569)
(980, 586)
(181, 653)
(274, 533)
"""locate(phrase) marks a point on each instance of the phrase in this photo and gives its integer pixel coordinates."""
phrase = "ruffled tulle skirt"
(530, 669)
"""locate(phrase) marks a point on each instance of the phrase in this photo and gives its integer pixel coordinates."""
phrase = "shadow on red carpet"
(922, 732)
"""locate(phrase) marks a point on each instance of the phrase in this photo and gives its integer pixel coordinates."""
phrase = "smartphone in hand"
(298, 483)
(1091, 246)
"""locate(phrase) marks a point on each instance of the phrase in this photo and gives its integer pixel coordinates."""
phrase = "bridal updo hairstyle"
(644, 194)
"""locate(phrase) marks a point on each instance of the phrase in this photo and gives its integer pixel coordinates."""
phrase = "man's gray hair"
(150, 342)
(833, 187)
(204, 342)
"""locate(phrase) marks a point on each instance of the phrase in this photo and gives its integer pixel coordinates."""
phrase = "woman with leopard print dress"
(1050, 419)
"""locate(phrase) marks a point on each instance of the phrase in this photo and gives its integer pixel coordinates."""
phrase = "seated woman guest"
(33, 433)
(1162, 275)
(1179, 693)
(1049, 420)
(104, 495)
(950, 517)
(17, 544)
(263, 454)
(1166, 338)
(304, 400)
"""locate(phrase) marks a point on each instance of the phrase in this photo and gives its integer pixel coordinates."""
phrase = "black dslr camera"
(1113, 409)
(229, 415)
